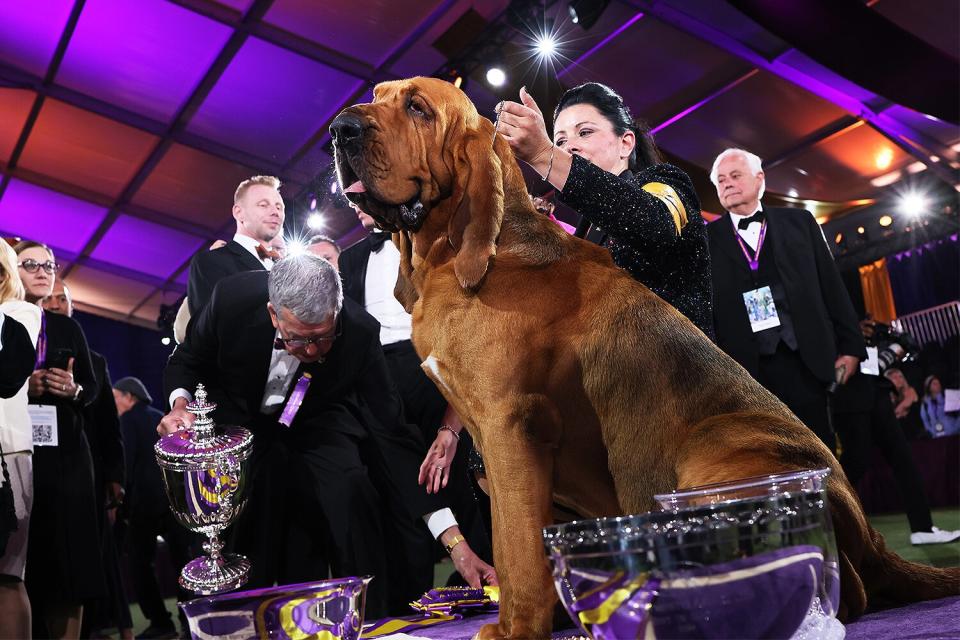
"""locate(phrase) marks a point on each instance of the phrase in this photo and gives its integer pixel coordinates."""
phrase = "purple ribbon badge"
(296, 399)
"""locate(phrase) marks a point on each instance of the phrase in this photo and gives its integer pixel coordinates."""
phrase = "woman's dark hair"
(23, 245)
(609, 103)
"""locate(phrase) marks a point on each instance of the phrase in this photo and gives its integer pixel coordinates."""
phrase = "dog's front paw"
(490, 632)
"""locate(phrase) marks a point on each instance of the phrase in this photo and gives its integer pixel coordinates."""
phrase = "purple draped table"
(934, 619)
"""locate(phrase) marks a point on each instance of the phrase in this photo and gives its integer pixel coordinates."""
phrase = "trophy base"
(206, 576)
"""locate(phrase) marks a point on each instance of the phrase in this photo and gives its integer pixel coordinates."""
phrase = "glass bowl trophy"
(205, 472)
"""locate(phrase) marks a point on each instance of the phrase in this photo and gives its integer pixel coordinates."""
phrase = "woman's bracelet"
(450, 429)
(553, 148)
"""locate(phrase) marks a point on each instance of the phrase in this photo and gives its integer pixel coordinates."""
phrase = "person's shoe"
(156, 632)
(934, 536)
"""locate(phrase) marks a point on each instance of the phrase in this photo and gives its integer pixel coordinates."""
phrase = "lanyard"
(41, 342)
(754, 260)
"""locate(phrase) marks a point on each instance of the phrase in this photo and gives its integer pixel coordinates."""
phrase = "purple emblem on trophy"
(205, 474)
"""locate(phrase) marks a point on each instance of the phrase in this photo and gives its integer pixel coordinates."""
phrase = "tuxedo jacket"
(17, 356)
(210, 267)
(229, 346)
(823, 318)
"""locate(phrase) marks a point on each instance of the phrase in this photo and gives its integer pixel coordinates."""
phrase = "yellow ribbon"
(669, 197)
(290, 627)
(601, 614)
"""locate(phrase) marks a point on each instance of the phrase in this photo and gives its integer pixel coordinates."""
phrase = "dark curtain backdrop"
(130, 351)
(925, 276)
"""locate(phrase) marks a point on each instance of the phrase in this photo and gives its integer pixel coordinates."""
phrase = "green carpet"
(897, 534)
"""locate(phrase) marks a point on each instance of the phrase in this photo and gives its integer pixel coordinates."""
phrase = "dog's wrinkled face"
(392, 156)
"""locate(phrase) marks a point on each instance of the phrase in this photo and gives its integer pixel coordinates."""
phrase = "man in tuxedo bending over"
(263, 336)
(780, 308)
(259, 211)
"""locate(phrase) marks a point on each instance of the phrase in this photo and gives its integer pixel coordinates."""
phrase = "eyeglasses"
(31, 266)
(303, 343)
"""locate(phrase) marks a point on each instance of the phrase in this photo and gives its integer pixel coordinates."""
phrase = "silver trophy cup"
(205, 471)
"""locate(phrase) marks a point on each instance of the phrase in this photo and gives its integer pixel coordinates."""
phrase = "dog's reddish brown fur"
(577, 383)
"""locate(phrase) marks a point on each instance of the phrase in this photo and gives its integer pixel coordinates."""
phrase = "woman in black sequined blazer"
(608, 169)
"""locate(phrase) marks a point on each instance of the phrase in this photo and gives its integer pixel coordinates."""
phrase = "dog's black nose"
(346, 129)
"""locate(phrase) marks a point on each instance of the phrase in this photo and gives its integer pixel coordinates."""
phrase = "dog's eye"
(416, 107)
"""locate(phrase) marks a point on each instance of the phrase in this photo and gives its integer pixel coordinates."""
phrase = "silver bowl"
(330, 609)
(757, 562)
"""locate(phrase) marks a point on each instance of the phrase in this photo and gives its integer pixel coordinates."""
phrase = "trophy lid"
(202, 445)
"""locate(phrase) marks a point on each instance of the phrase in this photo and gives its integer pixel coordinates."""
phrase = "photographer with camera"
(864, 415)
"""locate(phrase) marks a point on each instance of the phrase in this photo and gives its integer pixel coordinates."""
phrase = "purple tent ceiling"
(125, 125)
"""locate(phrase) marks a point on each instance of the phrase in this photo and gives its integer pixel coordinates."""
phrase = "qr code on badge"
(42, 434)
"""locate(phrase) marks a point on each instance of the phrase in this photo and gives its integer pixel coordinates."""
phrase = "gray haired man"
(267, 337)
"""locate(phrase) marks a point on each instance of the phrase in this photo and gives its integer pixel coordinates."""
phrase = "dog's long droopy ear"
(405, 291)
(475, 225)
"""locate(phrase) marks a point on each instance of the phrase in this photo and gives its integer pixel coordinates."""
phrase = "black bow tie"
(757, 217)
(377, 238)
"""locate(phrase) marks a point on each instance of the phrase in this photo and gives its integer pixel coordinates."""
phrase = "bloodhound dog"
(577, 383)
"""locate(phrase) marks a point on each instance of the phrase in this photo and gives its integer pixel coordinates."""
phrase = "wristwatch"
(454, 541)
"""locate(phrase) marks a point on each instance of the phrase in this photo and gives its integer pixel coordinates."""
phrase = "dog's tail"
(887, 579)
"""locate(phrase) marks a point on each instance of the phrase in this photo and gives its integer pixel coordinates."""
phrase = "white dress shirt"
(750, 235)
(283, 367)
(250, 244)
(382, 269)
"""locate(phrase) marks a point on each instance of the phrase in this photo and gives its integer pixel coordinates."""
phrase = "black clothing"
(863, 415)
(17, 356)
(794, 361)
(102, 427)
(62, 563)
(142, 544)
(210, 267)
(149, 513)
(351, 402)
(642, 232)
(144, 491)
(784, 375)
(820, 310)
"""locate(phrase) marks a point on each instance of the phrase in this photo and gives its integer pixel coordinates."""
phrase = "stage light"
(883, 158)
(793, 193)
(839, 238)
(496, 77)
(886, 221)
(586, 12)
(313, 204)
(546, 45)
(315, 221)
(296, 247)
(165, 340)
(333, 187)
(913, 204)
(803, 172)
(861, 230)
(454, 77)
